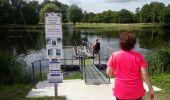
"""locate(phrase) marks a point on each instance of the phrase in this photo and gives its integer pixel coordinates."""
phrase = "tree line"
(20, 12)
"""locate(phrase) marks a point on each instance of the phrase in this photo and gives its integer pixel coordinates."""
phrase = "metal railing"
(72, 55)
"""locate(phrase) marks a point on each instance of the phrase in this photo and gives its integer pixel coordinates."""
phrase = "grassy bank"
(18, 92)
(114, 25)
(162, 81)
(82, 26)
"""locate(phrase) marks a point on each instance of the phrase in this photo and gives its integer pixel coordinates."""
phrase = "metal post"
(93, 57)
(84, 71)
(81, 68)
(99, 61)
(40, 70)
(56, 90)
(33, 72)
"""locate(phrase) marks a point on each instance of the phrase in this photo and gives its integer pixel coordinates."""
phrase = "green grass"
(114, 25)
(88, 62)
(14, 92)
(19, 92)
(83, 26)
(162, 81)
(73, 75)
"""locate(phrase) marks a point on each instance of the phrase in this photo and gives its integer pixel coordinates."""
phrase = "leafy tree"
(30, 12)
(91, 17)
(45, 2)
(85, 17)
(126, 16)
(164, 16)
(151, 12)
(145, 15)
(98, 18)
(51, 7)
(5, 11)
(156, 8)
(137, 14)
(107, 16)
(74, 14)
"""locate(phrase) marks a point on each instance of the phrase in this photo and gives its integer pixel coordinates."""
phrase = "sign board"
(55, 78)
(54, 42)
(54, 52)
(54, 66)
(52, 18)
(53, 30)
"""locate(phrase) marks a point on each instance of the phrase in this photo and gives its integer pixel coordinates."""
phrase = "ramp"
(93, 76)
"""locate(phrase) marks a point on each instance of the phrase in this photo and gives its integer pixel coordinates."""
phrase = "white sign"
(53, 30)
(54, 66)
(55, 78)
(54, 42)
(52, 18)
(54, 52)
(53, 72)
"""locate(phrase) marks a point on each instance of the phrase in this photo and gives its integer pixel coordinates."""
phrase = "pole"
(56, 89)
(40, 70)
(33, 72)
(99, 61)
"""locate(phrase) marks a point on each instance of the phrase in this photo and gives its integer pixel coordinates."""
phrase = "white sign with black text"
(53, 30)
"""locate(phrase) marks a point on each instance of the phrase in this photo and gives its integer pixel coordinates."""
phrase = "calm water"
(31, 46)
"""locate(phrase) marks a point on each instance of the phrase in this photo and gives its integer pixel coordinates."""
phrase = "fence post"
(40, 70)
(84, 70)
(33, 72)
(56, 90)
(81, 67)
(99, 61)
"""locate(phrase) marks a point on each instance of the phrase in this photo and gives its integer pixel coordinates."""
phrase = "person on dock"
(96, 48)
(85, 42)
(127, 66)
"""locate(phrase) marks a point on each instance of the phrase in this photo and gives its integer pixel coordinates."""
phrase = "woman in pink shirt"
(127, 66)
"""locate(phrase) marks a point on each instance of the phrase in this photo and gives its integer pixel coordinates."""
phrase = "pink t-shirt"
(128, 81)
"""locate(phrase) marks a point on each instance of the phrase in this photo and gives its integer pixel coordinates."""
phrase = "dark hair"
(127, 40)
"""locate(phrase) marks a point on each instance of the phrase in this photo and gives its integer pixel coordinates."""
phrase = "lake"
(31, 45)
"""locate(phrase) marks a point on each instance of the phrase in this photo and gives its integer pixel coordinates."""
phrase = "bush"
(159, 61)
(12, 69)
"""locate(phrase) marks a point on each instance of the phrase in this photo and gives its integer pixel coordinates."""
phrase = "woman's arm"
(109, 71)
(147, 79)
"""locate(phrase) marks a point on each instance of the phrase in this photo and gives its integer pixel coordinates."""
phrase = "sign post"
(53, 30)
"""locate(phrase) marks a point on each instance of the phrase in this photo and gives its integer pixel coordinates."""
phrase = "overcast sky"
(97, 6)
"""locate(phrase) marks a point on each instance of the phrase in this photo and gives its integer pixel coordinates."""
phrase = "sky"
(98, 6)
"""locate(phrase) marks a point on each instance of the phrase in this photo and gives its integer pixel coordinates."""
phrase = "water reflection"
(32, 44)
(21, 42)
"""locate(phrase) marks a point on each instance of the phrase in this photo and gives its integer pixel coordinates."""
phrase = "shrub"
(159, 61)
(12, 69)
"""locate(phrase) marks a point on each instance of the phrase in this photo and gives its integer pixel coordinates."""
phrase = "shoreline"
(129, 26)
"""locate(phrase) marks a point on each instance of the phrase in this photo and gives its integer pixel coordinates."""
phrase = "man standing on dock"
(84, 42)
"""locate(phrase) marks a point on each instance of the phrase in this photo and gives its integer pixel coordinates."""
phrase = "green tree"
(30, 13)
(85, 17)
(74, 14)
(145, 14)
(137, 14)
(156, 8)
(98, 18)
(151, 13)
(107, 16)
(126, 16)
(5, 11)
(167, 14)
(51, 7)
(45, 2)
